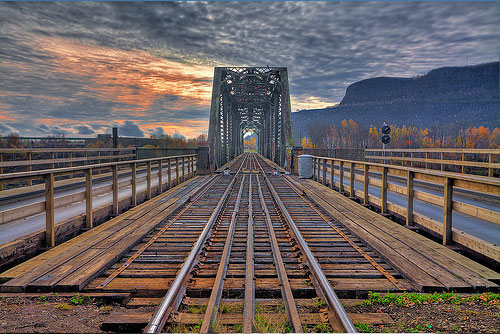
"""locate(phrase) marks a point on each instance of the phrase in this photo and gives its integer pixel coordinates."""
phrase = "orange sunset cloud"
(134, 77)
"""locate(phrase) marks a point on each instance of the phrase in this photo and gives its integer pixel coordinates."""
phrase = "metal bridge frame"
(250, 99)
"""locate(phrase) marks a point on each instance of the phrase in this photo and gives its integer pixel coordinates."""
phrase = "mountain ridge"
(450, 97)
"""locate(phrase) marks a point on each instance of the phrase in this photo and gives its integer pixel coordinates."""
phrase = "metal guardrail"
(89, 170)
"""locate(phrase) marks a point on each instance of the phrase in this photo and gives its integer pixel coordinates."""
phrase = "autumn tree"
(307, 142)
(13, 141)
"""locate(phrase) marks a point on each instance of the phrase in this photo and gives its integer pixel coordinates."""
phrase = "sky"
(80, 68)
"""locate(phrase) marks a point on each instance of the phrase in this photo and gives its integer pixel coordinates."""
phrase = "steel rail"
(371, 260)
(161, 314)
(330, 295)
(201, 191)
(249, 301)
(286, 290)
(215, 295)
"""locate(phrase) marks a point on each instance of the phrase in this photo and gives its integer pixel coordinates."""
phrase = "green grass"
(43, 299)
(63, 306)
(363, 328)
(322, 327)
(106, 308)
(182, 328)
(413, 298)
(262, 324)
(319, 302)
(198, 309)
(77, 300)
(415, 328)
(231, 308)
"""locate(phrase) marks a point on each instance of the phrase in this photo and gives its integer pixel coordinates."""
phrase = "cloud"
(129, 129)
(178, 135)
(158, 131)
(152, 62)
(51, 130)
(5, 129)
(84, 130)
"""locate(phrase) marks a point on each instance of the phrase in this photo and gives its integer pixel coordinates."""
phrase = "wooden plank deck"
(66, 267)
(427, 264)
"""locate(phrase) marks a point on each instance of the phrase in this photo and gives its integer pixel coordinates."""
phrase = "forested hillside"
(446, 99)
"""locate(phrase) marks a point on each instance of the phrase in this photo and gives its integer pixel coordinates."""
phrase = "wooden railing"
(181, 164)
(452, 159)
(374, 174)
(28, 159)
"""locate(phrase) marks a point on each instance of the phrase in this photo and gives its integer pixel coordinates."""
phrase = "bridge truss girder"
(250, 99)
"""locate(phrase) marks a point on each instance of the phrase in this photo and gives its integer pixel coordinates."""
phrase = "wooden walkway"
(426, 263)
(71, 265)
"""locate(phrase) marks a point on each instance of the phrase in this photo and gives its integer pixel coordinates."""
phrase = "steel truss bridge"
(250, 99)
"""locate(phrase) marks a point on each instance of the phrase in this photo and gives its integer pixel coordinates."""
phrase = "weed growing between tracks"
(436, 312)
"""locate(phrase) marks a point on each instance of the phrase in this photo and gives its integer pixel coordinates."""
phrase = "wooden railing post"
(314, 168)
(169, 173)
(160, 176)
(448, 211)
(442, 158)
(318, 172)
(352, 190)
(70, 164)
(134, 183)
(463, 160)
(411, 157)
(366, 182)
(177, 176)
(189, 167)
(1, 171)
(99, 160)
(341, 176)
(52, 155)
(49, 210)
(324, 172)
(183, 169)
(30, 168)
(384, 189)
(148, 179)
(88, 199)
(409, 198)
(115, 189)
(332, 174)
(426, 158)
(490, 161)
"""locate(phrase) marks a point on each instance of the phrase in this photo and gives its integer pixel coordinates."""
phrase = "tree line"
(13, 140)
(349, 134)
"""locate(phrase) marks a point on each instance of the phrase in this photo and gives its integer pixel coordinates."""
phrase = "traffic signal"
(386, 129)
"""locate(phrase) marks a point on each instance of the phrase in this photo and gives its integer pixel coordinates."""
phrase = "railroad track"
(250, 253)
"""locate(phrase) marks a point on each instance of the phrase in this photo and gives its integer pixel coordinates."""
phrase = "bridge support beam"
(254, 100)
